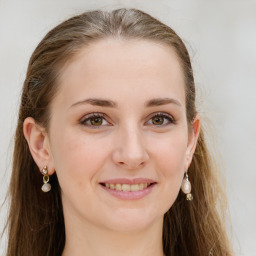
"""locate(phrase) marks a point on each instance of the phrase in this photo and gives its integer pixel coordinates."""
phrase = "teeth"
(118, 187)
(135, 187)
(127, 187)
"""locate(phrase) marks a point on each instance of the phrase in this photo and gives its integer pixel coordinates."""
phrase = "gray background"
(221, 38)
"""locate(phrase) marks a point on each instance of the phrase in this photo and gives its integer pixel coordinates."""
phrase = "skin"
(129, 143)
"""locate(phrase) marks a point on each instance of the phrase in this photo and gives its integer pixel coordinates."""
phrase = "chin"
(132, 220)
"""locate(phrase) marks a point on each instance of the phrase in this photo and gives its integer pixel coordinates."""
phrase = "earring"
(186, 187)
(46, 186)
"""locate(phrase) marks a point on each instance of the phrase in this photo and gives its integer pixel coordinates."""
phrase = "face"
(118, 134)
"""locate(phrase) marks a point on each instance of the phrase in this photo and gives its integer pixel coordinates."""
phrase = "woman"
(108, 134)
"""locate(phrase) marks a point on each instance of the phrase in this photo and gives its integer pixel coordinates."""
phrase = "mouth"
(127, 187)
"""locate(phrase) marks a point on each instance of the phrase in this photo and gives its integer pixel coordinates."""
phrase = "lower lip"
(129, 195)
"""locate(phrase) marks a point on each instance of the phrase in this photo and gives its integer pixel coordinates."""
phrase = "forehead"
(111, 67)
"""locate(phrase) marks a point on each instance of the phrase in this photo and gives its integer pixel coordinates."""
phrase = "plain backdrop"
(221, 38)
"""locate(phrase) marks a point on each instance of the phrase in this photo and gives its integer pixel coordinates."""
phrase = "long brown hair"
(35, 221)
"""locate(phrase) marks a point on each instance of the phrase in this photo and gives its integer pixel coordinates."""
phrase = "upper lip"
(128, 181)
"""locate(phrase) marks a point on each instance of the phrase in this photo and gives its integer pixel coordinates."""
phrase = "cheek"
(170, 154)
(77, 158)
(169, 160)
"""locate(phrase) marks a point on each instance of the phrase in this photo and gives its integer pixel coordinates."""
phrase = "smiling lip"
(129, 181)
(138, 187)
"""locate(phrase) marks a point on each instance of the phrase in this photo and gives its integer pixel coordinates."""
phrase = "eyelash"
(103, 116)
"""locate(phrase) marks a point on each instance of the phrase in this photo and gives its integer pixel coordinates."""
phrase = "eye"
(161, 119)
(94, 120)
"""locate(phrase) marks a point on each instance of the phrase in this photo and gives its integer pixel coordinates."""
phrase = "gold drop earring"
(46, 186)
(186, 187)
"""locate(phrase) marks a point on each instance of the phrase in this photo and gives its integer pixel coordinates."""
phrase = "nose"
(129, 150)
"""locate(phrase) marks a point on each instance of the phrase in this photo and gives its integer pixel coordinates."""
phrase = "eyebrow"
(109, 103)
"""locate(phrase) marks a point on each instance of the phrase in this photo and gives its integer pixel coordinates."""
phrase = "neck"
(88, 239)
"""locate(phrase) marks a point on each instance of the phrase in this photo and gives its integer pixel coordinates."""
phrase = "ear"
(38, 143)
(192, 140)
